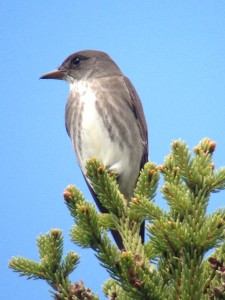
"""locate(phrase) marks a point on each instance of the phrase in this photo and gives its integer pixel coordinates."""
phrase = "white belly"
(95, 139)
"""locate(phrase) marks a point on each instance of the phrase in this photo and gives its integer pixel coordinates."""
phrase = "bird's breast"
(96, 123)
(90, 126)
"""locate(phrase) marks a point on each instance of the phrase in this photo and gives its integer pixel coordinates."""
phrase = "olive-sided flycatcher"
(105, 119)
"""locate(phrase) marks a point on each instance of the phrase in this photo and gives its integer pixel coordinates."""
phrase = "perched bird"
(105, 119)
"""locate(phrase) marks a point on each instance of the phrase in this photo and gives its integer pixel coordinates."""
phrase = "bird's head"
(84, 65)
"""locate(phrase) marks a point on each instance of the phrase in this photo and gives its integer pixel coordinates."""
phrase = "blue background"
(173, 52)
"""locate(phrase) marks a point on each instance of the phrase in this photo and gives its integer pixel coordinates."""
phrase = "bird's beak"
(55, 74)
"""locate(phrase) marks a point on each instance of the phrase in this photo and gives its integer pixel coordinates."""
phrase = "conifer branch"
(53, 268)
(172, 264)
(106, 187)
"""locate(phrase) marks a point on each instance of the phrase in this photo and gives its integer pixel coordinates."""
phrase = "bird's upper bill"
(55, 74)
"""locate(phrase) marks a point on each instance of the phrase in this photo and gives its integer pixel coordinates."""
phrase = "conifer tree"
(173, 263)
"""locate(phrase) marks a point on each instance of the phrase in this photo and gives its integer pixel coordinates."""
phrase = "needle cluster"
(173, 263)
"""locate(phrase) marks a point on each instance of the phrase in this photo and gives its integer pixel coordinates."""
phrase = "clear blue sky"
(173, 52)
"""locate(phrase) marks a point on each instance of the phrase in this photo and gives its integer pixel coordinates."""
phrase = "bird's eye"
(76, 61)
